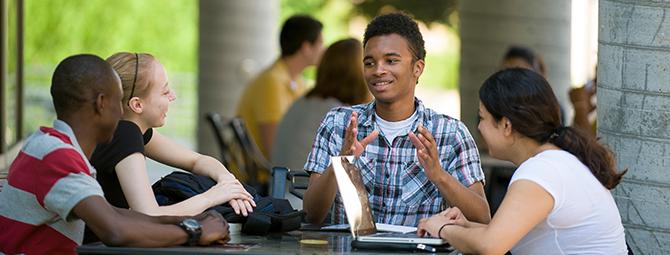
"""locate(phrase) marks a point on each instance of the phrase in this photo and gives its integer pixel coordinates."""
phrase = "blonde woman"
(121, 164)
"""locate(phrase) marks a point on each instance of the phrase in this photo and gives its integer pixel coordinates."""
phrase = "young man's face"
(389, 68)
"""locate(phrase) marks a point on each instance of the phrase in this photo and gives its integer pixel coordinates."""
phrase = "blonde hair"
(133, 68)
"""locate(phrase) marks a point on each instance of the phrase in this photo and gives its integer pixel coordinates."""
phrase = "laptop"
(357, 209)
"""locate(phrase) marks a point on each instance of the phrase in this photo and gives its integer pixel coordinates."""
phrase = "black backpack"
(270, 214)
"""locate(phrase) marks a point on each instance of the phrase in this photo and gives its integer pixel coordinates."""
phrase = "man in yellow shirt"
(268, 96)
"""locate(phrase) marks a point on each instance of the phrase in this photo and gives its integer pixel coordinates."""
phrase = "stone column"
(489, 27)
(634, 115)
(237, 39)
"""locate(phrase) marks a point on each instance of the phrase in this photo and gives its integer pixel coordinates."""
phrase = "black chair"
(215, 121)
(255, 163)
(241, 155)
(231, 152)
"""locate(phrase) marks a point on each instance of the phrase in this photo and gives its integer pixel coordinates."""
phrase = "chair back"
(254, 162)
(230, 151)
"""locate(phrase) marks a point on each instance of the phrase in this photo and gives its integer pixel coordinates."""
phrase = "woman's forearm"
(470, 240)
(189, 207)
(209, 166)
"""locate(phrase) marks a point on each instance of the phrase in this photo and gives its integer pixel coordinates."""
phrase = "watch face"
(191, 224)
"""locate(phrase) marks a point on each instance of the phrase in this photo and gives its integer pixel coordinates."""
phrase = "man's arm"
(471, 200)
(118, 227)
(319, 196)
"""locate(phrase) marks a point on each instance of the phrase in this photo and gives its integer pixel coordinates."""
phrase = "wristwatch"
(193, 228)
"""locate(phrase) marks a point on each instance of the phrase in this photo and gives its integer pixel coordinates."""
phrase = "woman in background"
(339, 81)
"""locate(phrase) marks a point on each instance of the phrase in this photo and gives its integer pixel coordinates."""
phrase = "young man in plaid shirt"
(414, 161)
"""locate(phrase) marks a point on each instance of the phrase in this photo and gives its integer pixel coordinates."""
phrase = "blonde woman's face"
(158, 98)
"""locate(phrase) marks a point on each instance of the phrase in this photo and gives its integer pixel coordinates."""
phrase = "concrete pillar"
(634, 115)
(489, 27)
(237, 39)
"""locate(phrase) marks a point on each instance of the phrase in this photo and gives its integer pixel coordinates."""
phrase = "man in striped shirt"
(414, 161)
(51, 190)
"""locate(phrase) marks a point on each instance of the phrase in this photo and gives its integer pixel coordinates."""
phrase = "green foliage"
(441, 71)
(427, 11)
(56, 29)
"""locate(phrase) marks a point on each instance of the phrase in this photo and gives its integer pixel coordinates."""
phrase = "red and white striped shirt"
(48, 178)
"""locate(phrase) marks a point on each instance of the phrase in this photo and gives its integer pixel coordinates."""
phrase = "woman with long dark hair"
(559, 199)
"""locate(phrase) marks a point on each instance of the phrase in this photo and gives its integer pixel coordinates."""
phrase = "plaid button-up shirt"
(399, 191)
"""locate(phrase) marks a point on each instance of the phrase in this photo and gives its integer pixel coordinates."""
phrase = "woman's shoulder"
(548, 165)
(126, 127)
(127, 134)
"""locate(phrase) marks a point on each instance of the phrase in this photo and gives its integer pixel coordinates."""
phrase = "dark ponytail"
(589, 151)
(526, 99)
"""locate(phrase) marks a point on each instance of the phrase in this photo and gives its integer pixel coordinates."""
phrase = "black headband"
(137, 67)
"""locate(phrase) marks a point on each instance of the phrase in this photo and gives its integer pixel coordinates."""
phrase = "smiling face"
(158, 98)
(390, 70)
(493, 133)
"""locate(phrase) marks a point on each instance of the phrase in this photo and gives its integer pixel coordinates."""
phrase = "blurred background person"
(266, 99)
(339, 81)
(583, 101)
(524, 57)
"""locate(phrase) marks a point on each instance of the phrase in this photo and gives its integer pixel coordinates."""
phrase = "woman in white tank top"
(559, 200)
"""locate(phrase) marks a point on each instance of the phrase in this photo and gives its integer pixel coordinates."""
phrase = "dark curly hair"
(401, 24)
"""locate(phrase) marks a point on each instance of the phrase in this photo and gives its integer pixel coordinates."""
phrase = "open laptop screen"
(354, 196)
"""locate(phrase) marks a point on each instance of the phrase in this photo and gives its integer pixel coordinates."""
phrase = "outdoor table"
(275, 243)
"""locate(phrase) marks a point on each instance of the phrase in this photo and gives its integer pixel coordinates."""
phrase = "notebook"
(356, 207)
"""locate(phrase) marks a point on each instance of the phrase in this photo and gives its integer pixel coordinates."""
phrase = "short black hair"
(401, 24)
(296, 30)
(77, 80)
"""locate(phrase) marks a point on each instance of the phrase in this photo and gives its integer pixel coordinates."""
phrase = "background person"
(339, 82)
